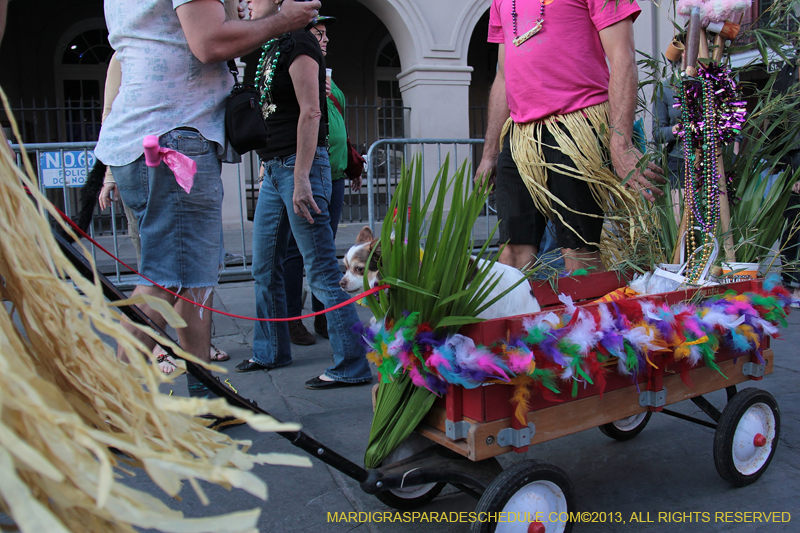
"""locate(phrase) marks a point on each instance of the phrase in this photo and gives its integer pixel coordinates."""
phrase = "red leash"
(115, 258)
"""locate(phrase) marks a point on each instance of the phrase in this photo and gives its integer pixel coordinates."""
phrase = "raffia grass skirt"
(584, 137)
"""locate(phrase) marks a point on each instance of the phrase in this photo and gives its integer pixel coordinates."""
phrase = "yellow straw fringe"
(65, 399)
(587, 145)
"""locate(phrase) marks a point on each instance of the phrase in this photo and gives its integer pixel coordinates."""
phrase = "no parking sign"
(53, 171)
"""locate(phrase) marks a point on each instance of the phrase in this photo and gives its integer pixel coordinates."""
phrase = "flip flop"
(218, 355)
(165, 362)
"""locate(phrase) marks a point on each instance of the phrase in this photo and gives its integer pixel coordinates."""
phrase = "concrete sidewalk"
(668, 468)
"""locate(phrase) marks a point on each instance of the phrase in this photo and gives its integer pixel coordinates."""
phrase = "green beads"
(264, 77)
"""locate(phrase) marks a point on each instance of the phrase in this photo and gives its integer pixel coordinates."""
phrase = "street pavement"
(668, 468)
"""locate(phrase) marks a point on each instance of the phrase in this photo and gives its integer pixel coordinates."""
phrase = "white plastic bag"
(666, 279)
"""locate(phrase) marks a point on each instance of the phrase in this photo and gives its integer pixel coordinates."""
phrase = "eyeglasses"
(319, 34)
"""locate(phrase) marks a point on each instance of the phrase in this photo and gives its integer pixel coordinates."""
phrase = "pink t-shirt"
(562, 68)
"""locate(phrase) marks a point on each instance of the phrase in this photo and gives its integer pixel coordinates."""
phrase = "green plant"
(442, 283)
(762, 180)
(769, 133)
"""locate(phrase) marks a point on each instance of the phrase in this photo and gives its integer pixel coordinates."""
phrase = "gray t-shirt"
(164, 86)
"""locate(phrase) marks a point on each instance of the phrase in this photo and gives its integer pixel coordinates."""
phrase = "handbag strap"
(336, 103)
(234, 70)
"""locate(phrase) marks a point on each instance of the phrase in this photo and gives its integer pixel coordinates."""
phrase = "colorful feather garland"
(574, 346)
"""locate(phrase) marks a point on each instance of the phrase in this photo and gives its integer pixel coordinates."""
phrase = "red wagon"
(459, 440)
(479, 424)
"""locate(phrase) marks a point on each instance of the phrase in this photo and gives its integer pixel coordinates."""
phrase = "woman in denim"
(296, 193)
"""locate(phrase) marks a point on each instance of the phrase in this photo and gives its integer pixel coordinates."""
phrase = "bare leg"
(155, 316)
(577, 258)
(518, 255)
(195, 338)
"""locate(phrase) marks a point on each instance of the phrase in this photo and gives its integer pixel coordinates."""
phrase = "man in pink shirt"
(561, 117)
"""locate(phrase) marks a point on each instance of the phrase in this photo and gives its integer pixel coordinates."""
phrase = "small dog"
(520, 301)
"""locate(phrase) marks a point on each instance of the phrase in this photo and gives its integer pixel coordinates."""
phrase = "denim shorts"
(180, 233)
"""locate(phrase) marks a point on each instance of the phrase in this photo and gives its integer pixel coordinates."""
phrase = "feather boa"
(713, 10)
(572, 347)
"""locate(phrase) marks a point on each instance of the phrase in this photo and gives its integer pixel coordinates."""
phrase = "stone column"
(438, 96)
(433, 39)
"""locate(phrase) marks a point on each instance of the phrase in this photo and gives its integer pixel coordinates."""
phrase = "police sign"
(53, 170)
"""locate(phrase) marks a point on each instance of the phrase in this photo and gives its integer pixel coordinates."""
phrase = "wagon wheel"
(538, 489)
(408, 498)
(626, 428)
(746, 436)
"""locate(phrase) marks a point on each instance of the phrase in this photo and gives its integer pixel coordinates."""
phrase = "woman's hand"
(355, 184)
(796, 187)
(328, 91)
(303, 199)
(107, 194)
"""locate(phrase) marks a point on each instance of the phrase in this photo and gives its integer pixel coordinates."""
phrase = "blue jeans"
(293, 264)
(274, 217)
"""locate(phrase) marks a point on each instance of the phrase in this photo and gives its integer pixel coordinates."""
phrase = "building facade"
(429, 57)
(409, 68)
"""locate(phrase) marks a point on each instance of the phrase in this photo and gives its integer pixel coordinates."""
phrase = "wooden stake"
(724, 205)
(725, 212)
(676, 254)
(692, 44)
(702, 51)
(697, 47)
(719, 42)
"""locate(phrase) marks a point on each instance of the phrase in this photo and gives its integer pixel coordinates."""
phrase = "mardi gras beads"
(264, 77)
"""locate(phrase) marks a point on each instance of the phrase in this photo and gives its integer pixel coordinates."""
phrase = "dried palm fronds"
(584, 137)
(65, 398)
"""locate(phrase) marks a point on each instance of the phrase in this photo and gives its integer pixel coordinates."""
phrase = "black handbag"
(244, 125)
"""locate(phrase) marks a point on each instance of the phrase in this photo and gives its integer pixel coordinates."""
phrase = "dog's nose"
(342, 283)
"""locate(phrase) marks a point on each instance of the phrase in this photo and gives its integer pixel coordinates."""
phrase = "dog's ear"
(365, 235)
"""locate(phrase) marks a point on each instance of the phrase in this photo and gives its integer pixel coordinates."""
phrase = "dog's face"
(356, 262)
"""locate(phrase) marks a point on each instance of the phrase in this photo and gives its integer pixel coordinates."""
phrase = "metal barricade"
(385, 159)
(62, 169)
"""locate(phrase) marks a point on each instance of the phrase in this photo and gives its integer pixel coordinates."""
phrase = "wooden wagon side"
(479, 423)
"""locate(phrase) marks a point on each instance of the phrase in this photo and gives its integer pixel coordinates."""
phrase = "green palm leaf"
(427, 272)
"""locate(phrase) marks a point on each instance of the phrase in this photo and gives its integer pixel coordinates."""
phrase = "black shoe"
(298, 334)
(316, 383)
(321, 325)
(250, 366)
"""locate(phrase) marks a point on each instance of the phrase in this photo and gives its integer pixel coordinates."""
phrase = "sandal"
(218, 355)
(165, 362)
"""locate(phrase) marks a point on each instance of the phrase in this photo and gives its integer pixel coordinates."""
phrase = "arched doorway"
(387, 91)
(81, 62)
(482, 57)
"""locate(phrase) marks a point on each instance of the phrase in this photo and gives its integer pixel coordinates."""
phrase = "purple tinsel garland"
(731, 112)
